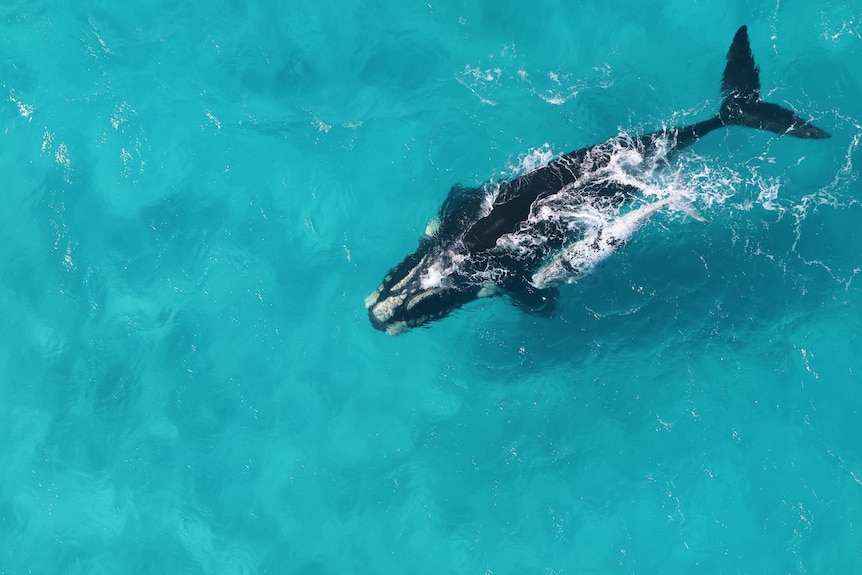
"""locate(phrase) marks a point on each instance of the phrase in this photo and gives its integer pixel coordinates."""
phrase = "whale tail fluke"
(740, 86)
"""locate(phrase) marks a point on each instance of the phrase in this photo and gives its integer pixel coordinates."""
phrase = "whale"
(558, 222)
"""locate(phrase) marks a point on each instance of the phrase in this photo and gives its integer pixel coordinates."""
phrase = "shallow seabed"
(197, 197)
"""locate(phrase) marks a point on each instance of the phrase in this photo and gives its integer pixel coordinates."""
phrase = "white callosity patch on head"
(372, 298)
(420, 282)
(419, 296)
(385, 309)
(408, 277)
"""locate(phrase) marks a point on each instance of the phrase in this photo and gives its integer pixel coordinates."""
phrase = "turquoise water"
(199, 195)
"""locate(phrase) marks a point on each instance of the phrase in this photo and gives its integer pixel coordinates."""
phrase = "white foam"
(434, 276)
(535, 158)
(582, 257)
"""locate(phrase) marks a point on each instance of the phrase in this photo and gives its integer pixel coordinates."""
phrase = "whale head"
(428, 285)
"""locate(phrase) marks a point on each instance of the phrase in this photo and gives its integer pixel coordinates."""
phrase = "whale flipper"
(740, 86)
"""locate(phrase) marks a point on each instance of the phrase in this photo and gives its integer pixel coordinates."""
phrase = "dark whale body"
(472, 250)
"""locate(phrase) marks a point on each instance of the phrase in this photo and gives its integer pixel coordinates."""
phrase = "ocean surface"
(197, 197)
